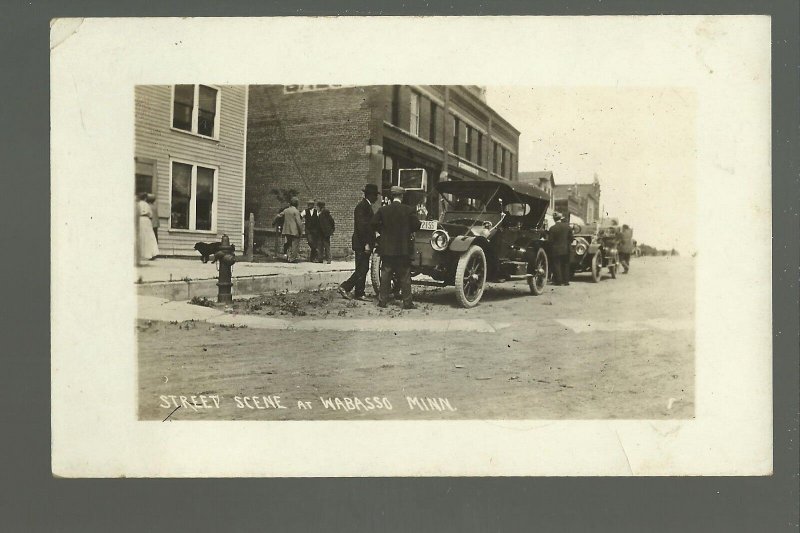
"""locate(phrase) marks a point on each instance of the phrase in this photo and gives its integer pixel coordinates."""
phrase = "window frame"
(414, 103)
(467, 142)
(193, 198)
(433, 115)
(196, 112)
(455, 137)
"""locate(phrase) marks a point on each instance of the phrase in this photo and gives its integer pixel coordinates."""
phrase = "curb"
(186, 290)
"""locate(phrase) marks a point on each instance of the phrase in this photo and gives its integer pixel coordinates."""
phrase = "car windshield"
(470, 218)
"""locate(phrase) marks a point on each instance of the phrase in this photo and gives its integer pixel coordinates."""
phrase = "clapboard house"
(190, 152)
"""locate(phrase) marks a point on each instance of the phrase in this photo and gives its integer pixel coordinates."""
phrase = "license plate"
(429, 225)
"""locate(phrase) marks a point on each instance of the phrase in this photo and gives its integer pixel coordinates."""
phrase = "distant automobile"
(594, 247)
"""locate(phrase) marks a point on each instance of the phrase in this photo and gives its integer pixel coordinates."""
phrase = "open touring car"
(489, 231)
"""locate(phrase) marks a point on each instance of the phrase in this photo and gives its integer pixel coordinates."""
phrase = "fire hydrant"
(225, 259)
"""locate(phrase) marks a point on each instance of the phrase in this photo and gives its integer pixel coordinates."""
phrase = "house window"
(479, 158)
(455, 135)
(414, 112)
(495, 157)
(145, 177)
(192, 197)
(510, 165)
(195, 109)
(467, 142)
(434, 111)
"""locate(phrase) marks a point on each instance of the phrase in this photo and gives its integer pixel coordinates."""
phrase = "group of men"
(561, 247)
(395, 222)
(315, 221)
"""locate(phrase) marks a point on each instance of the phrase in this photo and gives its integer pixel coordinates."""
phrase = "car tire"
(540, 270)
(375, 272)
(470, 278)
(597, 267)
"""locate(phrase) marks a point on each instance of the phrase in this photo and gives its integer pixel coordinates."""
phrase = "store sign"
(289, 89)
(465, 166)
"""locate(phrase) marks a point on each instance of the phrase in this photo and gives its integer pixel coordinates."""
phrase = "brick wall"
(314, 142)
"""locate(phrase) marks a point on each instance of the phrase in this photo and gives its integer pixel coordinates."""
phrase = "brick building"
(189, 151)
(542, 179)
(581, 199)
(326, 141)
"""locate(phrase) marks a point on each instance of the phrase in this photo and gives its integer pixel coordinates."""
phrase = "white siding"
(155, 140)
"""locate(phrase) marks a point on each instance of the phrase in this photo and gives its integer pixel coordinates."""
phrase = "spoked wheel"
(470, 276)
(375, 274)
(539, 269)
(375, 271)
(597, 267)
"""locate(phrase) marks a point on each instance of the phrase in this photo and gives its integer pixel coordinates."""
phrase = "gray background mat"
(31, 500)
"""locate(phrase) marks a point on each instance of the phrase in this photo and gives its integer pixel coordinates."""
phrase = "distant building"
(581, 199)
(190, 151)
(326, 141)
(542, 179)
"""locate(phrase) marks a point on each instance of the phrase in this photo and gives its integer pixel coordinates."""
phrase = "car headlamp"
(581, 246)
(439, 240)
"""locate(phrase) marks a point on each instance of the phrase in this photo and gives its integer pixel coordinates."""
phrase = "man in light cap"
(292, 228)
(560, 247)
(396, 223)
(310, 217)
(363, 242)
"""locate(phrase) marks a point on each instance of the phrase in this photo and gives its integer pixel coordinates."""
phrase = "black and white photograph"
(317, 245)
(414, 252)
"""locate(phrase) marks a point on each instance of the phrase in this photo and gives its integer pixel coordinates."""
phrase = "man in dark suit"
(396, 223)
(560, 248)
(310, 217)
(326, 228)
(363, 243)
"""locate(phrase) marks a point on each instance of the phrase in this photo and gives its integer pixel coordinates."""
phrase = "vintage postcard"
(316, 252)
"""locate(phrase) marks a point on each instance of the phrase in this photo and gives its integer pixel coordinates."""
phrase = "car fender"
(461, 243)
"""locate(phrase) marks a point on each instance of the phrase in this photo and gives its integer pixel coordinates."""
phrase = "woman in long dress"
(148, 247)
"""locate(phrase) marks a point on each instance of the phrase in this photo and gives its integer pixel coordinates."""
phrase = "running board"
(515, 277)
(428, 283)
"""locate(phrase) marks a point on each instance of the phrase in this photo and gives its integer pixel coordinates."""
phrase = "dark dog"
(207, 250)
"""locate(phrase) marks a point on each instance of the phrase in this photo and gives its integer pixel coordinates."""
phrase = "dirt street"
(620, 349)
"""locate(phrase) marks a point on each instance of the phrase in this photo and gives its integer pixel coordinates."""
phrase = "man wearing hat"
(310, 217)
(396, 223)
(560, 247)
(292, 228)
(363, 243)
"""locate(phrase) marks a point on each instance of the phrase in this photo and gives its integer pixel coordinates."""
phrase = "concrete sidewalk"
(153, 308)
(184, 279)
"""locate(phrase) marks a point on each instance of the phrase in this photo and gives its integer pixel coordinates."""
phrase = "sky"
(639, 141)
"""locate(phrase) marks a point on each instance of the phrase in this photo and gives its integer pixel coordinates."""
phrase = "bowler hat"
(557, 216)
(370, 187)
